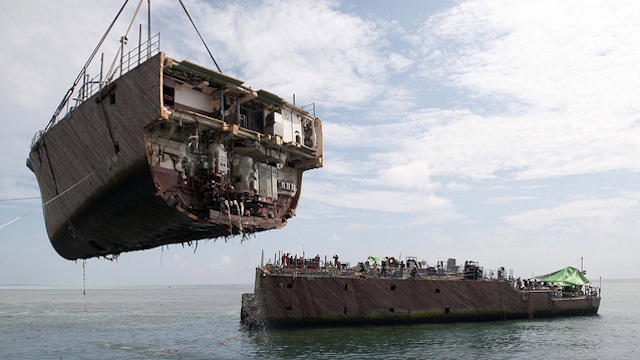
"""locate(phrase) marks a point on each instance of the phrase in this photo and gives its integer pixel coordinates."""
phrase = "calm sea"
(203, 322)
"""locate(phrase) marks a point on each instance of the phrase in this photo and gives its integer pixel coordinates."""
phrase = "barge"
(286, 296)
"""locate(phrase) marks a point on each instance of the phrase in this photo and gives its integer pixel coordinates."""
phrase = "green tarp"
(376, 258)
(568, 276)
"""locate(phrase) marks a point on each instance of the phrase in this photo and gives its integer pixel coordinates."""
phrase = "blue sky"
(501, 132)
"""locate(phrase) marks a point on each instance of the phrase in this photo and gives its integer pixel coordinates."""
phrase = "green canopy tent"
(376, 258)
(568, 276)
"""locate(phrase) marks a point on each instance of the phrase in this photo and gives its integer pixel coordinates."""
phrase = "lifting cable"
(123, 41)
(80, 76)
(21, 199)
(67, 96)
(201, 38)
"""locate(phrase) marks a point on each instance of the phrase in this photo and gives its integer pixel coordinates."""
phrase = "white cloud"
(399, 62)
(41, 60)
(224, 262)
(538, 53)
(378, 200)
(335, 237)
(11, 188)
(507, 199)
(561, 84)
(572, 214)
(336, 164)
(307, 47)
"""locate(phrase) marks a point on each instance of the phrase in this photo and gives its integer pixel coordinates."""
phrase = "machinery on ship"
(157, 151)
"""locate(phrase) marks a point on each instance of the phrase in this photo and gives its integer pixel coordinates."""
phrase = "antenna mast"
(148, 28)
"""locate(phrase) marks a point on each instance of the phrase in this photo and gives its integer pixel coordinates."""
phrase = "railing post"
(101, 68)
(123, 40)
(148, 29)
(139, 42)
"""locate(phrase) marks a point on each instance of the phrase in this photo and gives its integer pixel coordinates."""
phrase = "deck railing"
(321, 269)
(127, 62)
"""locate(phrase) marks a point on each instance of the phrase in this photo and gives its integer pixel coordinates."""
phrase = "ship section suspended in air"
(170, 152)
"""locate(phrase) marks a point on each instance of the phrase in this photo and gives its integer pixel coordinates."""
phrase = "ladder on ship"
(530, 307)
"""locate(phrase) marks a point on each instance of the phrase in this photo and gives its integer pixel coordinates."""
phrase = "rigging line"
(21, 199)
(67, 96)
(48, 202)
(20, 217)
(123, 39)
(201, 38)
(84, 283)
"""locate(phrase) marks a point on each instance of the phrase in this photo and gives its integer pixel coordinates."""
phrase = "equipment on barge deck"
(298, 296)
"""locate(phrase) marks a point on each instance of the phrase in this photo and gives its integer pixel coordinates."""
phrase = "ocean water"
(203, 322)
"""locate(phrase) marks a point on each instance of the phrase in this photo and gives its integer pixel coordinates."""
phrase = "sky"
(501, 132)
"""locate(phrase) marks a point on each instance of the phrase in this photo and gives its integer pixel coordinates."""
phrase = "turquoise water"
(203, 323)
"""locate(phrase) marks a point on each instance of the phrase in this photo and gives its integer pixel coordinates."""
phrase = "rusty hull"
(285, 300)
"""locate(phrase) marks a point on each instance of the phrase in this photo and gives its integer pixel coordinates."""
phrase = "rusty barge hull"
(289, 301)
(171, 152)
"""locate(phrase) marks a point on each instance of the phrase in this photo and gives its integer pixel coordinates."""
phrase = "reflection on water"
(492, 340)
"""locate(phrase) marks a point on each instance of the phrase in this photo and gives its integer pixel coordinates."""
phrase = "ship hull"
(148, 160)
(126, 216)
(92, 170)
(285, 301)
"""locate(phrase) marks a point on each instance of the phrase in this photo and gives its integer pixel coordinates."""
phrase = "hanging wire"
(20, 217)
(82, 72)
(84, 283)
(201, 38)
(21, 199)
(123, 39)
(48, 202)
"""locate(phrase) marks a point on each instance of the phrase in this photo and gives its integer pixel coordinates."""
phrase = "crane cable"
(201, 38)
(67, 96)
(123, 40)
(69, 93)
(21, 199)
